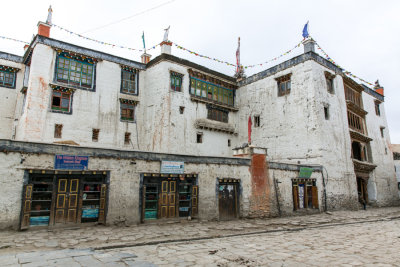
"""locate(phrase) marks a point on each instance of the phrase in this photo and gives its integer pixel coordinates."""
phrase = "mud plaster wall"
(169, 131)
(123, 206)
(8, 100)
(285, 191)
(294, 129)
(382, 184)
(99, 109)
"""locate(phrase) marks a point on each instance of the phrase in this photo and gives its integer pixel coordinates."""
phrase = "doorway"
(168, 199)
(362, 189)
(67, 200)
(228, 199)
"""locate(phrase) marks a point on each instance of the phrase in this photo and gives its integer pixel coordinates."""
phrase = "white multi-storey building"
(304, 111)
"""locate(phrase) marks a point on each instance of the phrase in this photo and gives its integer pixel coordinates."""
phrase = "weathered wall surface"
(99, 109)
(294, 130)
(167, 130)
(382, 184)
(285, 191)
(8, 100)
(123, 206)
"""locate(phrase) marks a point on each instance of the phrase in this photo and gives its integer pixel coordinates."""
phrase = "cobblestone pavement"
(338, 238)
(367, 244)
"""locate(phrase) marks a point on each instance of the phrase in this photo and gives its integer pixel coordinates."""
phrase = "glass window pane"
(65, 103)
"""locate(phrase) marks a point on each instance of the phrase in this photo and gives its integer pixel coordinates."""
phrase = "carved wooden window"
(7, 77)
(284, 84)
(75, 71)
(176, 81)
(61, 101)
(217, 115)
(355, 122)
(129, 81)
(353, 96)
(211, 91)
(127, 112)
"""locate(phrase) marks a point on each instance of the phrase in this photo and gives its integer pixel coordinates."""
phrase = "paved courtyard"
(343, 238)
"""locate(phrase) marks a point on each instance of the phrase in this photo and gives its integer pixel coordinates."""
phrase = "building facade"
(91, 137)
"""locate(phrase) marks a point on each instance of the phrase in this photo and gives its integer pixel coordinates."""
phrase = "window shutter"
(315, 197)
(26, 206)
(195, 201)
(102, 207)
(295, 197)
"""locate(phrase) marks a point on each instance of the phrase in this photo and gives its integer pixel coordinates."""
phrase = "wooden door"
(168, 199)
(67, 200)
(227, 201)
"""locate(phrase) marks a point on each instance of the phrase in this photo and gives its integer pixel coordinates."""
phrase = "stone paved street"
(342, 238)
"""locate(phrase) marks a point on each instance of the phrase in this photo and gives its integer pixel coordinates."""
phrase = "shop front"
(167, 196)
(59, 198)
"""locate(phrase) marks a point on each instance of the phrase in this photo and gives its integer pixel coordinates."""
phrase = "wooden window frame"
(308, 184)
(61, 96)
(128, 112)
(176, 80)
(217, 115)
(8, 76)
(211, 91)
(377, 108)
(95, 135)
(58, 130)
(284, 84)
(75, 72)
(257, 121)
(127, 138)
(129, 85)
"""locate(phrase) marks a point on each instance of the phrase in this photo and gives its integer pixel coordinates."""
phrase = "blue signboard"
(70, 162)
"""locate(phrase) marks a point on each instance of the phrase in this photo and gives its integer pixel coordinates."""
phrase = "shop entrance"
(167, 196)
(228, 199)
(63, 197)
(67, 200)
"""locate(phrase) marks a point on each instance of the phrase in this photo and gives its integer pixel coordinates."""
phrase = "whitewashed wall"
(9, 105)
(382, 184)
(166, 130)
(294, 129)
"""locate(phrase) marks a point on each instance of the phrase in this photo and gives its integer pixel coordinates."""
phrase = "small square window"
(382, 131)
(58, 130)
(284, 84)
(95, 135)
(199, 138)
(176, 81)
(257, 121)
(127, 138)
(61, 101)
(181, 109)
(326, 112)
(229, 142)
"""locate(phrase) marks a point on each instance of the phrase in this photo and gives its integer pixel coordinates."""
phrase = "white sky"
(362, 36)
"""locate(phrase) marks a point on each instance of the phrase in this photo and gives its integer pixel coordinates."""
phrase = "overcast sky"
(360, 35)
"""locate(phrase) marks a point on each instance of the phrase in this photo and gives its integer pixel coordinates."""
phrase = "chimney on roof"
(145, 58)
(309, 45)
(378, 88)
(44, 27)
(166, 47)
